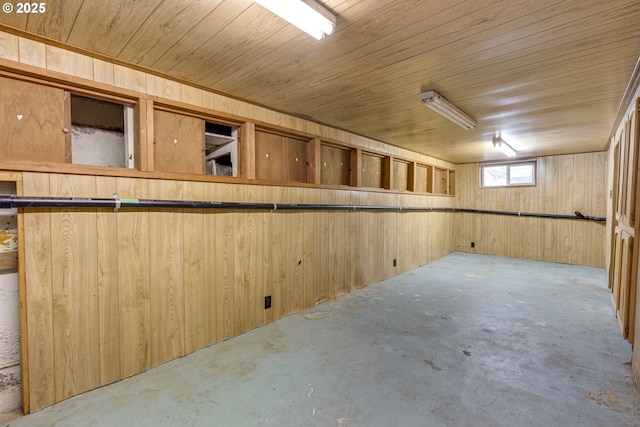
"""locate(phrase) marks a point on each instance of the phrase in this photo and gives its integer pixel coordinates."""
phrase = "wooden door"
(32, 122)
(624, 261)
(178, 143)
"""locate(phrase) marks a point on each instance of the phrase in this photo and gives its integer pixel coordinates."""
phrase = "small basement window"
(508, 174)
(101, 133)
(221, 142)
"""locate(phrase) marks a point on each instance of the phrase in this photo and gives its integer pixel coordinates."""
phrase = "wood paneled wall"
(109, 294)
(565, 184)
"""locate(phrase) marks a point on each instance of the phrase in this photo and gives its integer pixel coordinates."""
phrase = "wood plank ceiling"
(548, 74)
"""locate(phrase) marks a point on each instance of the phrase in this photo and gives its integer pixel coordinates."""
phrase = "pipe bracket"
(118, 203)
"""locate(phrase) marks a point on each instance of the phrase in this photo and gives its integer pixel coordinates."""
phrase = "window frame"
(509, 165)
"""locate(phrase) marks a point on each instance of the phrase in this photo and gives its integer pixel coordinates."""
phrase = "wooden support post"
(356, 168)
(387, 172)
(247, 150)
(313, 161)
(411, 183)
(143, 148)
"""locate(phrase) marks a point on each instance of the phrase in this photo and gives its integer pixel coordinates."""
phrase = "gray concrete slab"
(468, 340)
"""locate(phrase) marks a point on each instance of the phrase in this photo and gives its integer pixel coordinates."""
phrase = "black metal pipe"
(11, 201)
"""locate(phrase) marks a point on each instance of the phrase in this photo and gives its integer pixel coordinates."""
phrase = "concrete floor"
(468, 340)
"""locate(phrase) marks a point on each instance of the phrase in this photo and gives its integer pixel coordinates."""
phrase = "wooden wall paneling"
(327, 254)
(278, 245)
(389, 237)
(103, 71)
(194, 237)
(312, 248)
(248, 258)
(39, 298)
(165, 88)
(550, 203)
(68, 62)
(294, 243)
(328, 258)
(260, 275)
(179, 143)
(268, 257)
(32, 122)
(129, 78)
(247, 150)
(210, 236)
(107, 281)
(32, 52)
(224, 268)
(353, 273)
(75, 290)
(134, 280)
(166, 274)
(356, 233)
(9, 48)
(243, 262)
(563, 194)
(341, 225)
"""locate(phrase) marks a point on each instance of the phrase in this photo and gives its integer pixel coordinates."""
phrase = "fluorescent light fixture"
(433, 100)
(307, 15)
(503, 146)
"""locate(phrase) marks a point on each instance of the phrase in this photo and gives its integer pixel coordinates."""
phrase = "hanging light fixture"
(503, 146)
(307, 15)
(437, 103)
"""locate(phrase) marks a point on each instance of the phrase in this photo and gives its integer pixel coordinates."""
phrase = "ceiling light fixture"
(307, 15)
(503, 146)
(433, 100)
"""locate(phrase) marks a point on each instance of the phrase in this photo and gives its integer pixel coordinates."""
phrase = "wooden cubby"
(452, 183)
(165, 136)
(34, 123)
(400, 175)
(178, 143)
(372, 174)
(423, 178)
(440, 181)
(281, 157)
(335, 165)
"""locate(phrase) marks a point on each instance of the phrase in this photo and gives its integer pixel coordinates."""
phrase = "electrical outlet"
(473, 244)
(267, 302)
